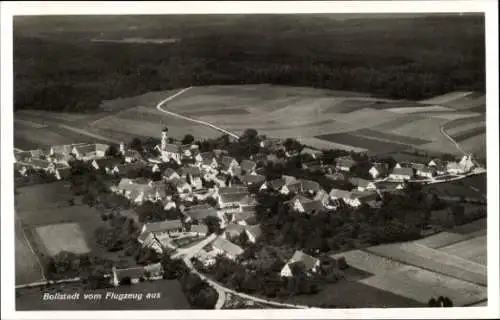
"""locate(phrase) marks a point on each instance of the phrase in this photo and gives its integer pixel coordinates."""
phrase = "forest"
(57, 67)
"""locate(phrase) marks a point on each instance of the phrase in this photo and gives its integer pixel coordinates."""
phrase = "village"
(216, 194)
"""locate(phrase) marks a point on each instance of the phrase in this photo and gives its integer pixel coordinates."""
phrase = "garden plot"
(473, 249)
(62, 237)
(420, 285)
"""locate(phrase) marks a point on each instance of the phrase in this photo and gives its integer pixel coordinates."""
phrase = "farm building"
(199, 229)
(132, 275)
(245, 217)
(300, 263)
(401, 174)
(253, 232)
(438, 165)
(362, 184)
(181, 185)
(90, 151)
(226, 248)
(233, 231)
(207, 160)
(232, 200)
(379, 170)
(170, 174)
(228, 164)
(344, 163)
(304, 205)
(164, 228)
(199, 212)
(248, 166)
(252, 179)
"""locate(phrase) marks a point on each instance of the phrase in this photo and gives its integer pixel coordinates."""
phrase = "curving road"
(208, 124)
(188, 253)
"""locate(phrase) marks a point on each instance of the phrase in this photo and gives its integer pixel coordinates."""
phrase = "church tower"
(164, 139)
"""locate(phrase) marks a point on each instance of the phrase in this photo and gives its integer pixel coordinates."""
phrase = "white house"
(300, 263)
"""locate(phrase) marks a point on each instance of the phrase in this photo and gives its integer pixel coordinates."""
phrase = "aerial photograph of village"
(247, 161)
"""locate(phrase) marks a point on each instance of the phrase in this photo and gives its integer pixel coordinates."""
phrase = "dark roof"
(191, 170)
(108, 162)
(226, 161)
(200, 212)
(339, 193)
(403, 171)
(308, 261)
(248, 165)
(245, 215)
(312, 206)
(233, 197)
(134, 272)
(359, 182)
(277, 183)
(172, 148)
(253, 178)
(230, 190)
(254, 230)
(227, 246)
(234, 229)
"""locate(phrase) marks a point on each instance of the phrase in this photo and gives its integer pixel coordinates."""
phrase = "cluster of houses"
(214, 184)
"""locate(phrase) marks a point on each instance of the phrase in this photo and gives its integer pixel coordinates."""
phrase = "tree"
(292, 145)
(136, 144)
(188, 139)
(458, 212)
(213, 224)
(112, 151)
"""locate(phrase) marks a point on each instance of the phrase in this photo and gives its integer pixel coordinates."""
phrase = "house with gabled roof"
(199, 212)
(170, 174)
(438, 165)
(181, 185)
(388, 186)
(37, 154)
(208, 160)
(248, 166)
(90, 151)
(252, 179)
(226, 248)
(247, 216)
(358, 198)
(106, 164)
(306, 205)
(254, 232)
(163, 229)
(345, 163)
(228, 164)
(300, 263)
(192, 175)
(277, 184)
(200, 230)
(125, 169)
(231, 201)
(401, 174)
(233, 231)
(379, 170)
(362, 184)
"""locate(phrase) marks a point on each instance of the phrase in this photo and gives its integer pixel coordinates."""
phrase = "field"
(52, 225)
(451, 263)
(171, 297)
(28, 268)
(62, 237)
